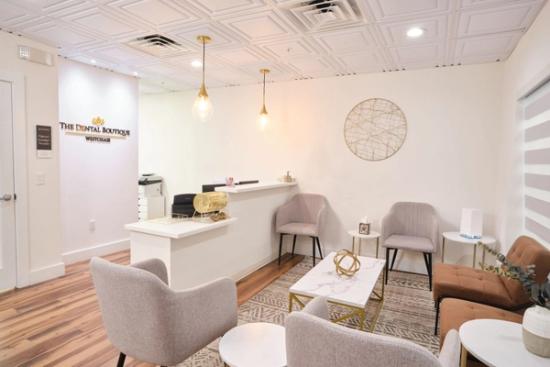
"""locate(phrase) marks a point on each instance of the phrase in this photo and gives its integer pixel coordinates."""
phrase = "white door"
(7, 200)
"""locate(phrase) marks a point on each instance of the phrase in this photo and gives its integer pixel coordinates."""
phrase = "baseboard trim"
(98, 250)
(46, 273)
(249, 270)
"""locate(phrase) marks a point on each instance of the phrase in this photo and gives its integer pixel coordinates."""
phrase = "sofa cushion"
(409, 243)
(526, 251)
(455, 312)
(304, 229)
(463, 282)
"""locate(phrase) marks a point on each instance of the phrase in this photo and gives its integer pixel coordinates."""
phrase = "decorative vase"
(536, 331)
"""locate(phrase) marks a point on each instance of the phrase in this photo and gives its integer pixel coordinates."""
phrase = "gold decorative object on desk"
(216, 217)
(208, 202)
(287, 177)
(346, 271)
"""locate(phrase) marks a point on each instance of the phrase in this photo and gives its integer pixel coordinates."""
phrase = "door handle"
(6, 197)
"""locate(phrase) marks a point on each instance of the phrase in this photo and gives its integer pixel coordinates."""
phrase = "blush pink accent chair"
(301, 216)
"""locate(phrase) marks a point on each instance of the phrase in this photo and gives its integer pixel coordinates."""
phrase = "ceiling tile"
(395, 33)
(103, 24)
(348, 40)
(497, 20)
(387, 9)
(491, 47)
(224, 7)
(156, 12)
(258, 27)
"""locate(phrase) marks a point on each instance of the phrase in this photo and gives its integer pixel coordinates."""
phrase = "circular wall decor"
(375, 129)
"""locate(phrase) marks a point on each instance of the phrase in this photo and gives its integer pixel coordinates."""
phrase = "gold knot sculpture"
(346, 271)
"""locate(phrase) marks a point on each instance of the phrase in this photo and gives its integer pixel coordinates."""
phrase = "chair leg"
(393, 258)
(387, 258)
(428, 262)
(313, 242)
(319, 247)
(437, 304)
(121, 359)
(280, 247)
(293, 245)
(430, 270)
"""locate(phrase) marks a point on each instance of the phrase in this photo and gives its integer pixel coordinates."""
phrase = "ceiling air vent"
(157, 45)
(315, 15)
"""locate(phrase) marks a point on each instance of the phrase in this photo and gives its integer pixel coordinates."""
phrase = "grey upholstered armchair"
(412, 227)
(301, 216)
(145, 319)
(313, 341)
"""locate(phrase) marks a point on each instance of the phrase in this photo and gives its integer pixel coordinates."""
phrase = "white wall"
(528, 65)
(98, 180)
(44, 233)
(448, 159)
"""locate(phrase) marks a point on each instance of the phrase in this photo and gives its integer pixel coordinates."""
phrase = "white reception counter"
(198, 252)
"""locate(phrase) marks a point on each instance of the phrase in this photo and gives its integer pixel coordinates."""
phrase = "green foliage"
(539, 292)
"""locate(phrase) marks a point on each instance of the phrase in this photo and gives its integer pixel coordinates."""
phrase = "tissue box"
(471, 224)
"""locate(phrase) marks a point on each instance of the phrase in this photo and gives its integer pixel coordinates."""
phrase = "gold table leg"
(463, 357)
(377, 243)
(475, 253)
(483, 258)
(443, 251)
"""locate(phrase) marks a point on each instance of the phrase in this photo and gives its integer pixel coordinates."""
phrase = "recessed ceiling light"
(196, 63)
(93, 61)
(415, 32)
(135, 73)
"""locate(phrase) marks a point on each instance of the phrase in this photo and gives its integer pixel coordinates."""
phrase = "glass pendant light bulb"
(263, 119)
(202, 108)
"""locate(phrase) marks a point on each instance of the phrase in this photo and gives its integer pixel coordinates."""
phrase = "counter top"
(165, 227)
(254, 187)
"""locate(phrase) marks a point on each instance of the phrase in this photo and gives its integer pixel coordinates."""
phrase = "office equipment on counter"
(212, 187)
(150, 197)
(183, 205)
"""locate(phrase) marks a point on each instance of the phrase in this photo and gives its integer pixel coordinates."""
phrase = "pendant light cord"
(203, 59)
(264, 90)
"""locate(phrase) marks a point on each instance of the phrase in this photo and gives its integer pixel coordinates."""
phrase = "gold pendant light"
(264, 117)
(202, 108)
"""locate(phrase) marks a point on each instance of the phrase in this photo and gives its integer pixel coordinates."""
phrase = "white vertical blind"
(536, 125)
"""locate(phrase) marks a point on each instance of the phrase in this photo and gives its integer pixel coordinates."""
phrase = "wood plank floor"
(58, 323)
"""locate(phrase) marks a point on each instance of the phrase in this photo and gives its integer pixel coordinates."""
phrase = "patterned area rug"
(408, 311)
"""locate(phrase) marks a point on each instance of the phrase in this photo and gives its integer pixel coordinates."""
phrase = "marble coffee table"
(351, 293)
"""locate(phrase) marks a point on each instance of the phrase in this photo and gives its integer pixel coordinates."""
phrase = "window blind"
(536, 162)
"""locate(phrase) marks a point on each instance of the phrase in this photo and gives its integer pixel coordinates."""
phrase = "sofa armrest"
(449, 356)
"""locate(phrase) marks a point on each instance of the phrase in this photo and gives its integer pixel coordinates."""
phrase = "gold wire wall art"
(347, 263)
(375, 129)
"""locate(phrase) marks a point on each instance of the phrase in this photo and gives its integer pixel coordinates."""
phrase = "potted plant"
(536, 320)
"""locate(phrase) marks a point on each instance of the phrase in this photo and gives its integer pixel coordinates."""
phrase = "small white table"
(497, 343)
(255, 344)
(352, 293)
(455, 237)
(355, 234)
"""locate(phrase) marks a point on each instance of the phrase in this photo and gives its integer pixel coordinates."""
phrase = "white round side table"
(497, 343)
(255, 344)
(372, 235)
(455, 237)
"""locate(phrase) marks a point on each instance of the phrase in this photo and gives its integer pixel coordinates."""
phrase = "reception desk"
(197, 252)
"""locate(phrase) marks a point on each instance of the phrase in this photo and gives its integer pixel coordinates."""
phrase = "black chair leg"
(387, 266)
(428, 262)
(313, 242)
(393, 258)
(293, 245)
(437, 304)
(319, 247)
(121, 359)
(430, 270)
(280, 247)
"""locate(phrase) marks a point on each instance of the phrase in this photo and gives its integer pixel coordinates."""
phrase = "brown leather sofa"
(462, 282)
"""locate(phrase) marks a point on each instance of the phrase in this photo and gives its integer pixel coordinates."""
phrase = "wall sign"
(43, 141)
(95, 132)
